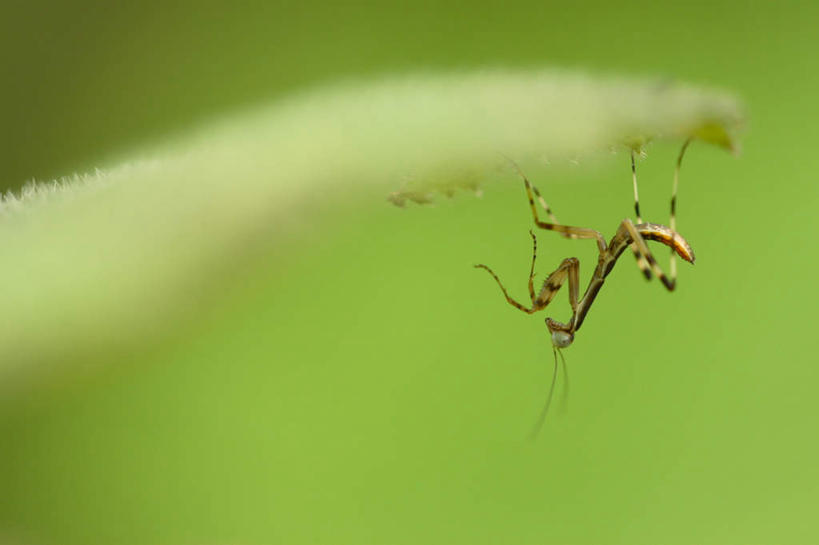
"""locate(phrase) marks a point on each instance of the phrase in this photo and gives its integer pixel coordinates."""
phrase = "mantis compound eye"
(562, 339)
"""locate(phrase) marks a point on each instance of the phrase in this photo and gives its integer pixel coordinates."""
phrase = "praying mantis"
(628, 234)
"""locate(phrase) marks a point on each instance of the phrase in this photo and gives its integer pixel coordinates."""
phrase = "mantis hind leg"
(641, 263)
(645, 254)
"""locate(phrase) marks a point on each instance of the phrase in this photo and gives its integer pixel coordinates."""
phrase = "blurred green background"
(363, 384)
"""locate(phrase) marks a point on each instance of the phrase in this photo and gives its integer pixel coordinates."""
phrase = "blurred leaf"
(118, 257)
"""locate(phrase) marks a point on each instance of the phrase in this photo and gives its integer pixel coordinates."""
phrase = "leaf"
(116, 258)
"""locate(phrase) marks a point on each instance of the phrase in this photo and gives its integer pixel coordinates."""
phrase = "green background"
(363, 384)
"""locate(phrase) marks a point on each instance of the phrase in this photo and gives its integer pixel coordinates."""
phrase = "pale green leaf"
(117, 257)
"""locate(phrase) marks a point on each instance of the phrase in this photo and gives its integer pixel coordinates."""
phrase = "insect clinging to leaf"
(628, 234)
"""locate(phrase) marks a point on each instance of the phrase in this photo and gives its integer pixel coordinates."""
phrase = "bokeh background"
(362, 384)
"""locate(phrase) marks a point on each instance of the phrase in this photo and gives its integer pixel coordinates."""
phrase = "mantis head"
(562, 335)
